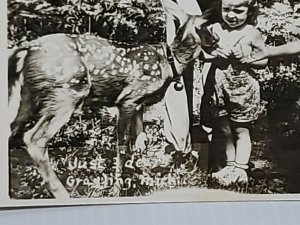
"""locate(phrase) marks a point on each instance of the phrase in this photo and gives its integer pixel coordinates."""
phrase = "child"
(262, 52)
(237, 92)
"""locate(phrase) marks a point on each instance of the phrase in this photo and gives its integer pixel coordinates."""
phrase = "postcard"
(133, 101)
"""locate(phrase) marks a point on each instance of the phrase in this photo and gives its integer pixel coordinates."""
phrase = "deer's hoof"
(116, 189)
(141, 142)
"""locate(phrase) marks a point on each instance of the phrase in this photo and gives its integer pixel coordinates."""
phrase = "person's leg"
(243, 152)
(228, 140)
(224, 175)
(176, 120)
(243, 146)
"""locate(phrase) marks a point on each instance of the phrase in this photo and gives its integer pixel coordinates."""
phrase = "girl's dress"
(237, 92)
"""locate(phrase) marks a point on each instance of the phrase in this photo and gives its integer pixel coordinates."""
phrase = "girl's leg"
(225, 128)
(243, 151)
(225, 175)
(243, 146)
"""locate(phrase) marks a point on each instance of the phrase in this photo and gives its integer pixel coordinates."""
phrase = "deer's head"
(187, 43)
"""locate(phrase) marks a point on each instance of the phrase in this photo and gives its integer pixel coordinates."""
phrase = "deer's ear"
(174, 11)
(205, 18)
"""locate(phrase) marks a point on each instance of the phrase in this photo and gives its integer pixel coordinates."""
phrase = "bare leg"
(225, 128)
(243, 145)
(224, 176)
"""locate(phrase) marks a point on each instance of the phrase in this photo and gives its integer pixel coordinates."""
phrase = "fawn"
(56, 74)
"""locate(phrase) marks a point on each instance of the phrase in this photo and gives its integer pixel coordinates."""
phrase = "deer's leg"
(36, 140)
(24, 112)
(137, 123)
(126, 113)
(139, 137)
(128, 116)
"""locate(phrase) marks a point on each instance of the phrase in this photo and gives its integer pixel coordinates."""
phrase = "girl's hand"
(222, 52)
(237, 51)
(256, 56)
(258, 53)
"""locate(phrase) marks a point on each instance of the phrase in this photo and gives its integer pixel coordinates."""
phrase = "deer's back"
(85, 63)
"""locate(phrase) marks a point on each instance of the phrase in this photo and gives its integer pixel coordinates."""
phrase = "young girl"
(237, 92)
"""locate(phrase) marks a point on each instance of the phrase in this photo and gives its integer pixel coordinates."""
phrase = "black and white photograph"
(137, 101)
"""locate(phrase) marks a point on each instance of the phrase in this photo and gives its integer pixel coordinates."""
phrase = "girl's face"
(234, 12)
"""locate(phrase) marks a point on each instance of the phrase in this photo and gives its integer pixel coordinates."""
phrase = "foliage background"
(137, 21)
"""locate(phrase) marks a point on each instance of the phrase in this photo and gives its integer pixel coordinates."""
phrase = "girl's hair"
(252, 14)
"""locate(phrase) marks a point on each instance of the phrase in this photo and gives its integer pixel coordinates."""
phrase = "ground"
(82, 154)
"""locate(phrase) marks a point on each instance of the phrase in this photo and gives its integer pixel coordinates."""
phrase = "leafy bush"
(279, 23)
(126, 20)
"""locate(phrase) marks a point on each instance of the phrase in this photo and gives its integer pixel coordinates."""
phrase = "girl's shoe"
(231, 174)
(240, 175)
(224, 173)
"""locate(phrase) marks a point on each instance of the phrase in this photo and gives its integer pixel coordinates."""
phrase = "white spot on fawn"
(74, 81)
(145, 77)
(146, 67)
(155, 67)
(129, 67)
(123, 53)
(118, 59)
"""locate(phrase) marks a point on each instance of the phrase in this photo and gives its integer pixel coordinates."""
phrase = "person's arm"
(291, 48)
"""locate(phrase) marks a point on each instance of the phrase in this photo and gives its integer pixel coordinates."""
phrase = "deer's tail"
(16, 58)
